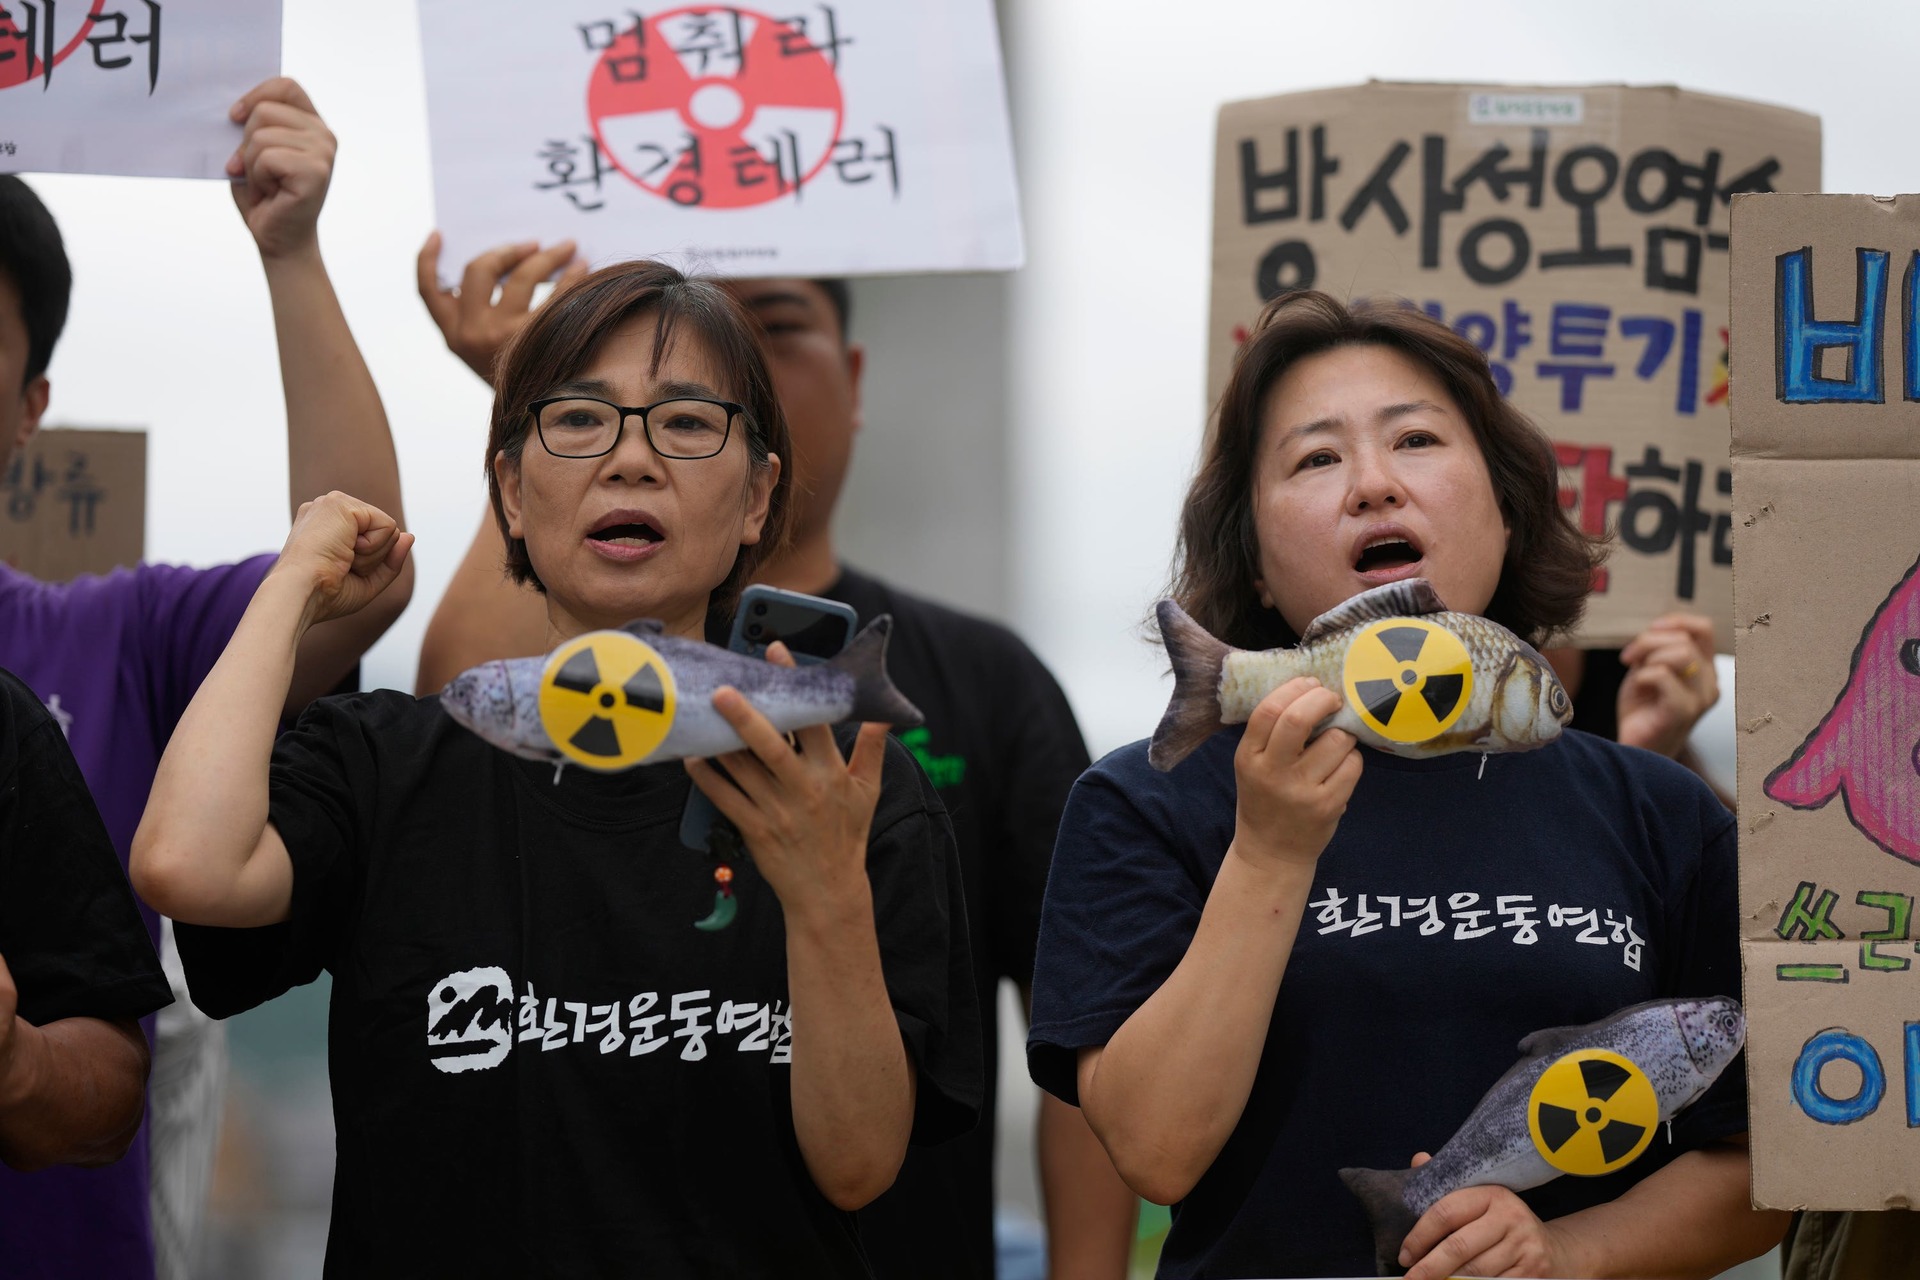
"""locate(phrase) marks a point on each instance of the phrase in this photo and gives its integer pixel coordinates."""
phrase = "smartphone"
(813, 629)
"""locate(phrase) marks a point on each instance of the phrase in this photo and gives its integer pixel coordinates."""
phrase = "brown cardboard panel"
(1574, 234)
(1827, 608)
(1829, 1055)
(1849, 269)
(74, 501)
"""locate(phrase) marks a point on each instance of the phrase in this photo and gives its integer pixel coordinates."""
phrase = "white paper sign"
(771, 138)
(136, 87)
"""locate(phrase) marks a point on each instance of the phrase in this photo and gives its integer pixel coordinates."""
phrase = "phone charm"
(723, 845)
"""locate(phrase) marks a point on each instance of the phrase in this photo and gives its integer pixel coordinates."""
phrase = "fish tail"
(1382, 1193)
(1193, 713)
(874, 697)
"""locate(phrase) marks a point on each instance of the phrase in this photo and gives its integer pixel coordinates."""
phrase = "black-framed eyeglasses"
(685, 427)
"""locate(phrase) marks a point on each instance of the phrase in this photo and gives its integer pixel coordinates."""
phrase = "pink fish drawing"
(1867, 748)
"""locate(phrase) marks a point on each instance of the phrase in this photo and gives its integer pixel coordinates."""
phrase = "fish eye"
(1910, 657)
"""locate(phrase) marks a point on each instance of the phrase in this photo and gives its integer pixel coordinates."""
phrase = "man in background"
(119, 657)
(999, 744)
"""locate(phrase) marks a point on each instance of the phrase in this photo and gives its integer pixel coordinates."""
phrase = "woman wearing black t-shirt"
(539, 1066)
(1288, 956)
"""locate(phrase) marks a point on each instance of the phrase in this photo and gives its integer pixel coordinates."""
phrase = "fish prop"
(1418, 680)
(1867, 747)
(614, 700)
(1581, 1100)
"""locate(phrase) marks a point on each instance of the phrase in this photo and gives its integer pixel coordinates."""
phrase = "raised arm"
(1164, 1094)
(205, 852)
(337, 435)
(484, 614)
(805, 816)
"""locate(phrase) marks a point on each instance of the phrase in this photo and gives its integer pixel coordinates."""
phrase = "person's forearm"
(72, 1093)
(337, 439)
(483, 615)
(1690, 1219)
(337, 436)
(1090, 1211)
(1170, 1085)
(193, 854)
(853, 1088)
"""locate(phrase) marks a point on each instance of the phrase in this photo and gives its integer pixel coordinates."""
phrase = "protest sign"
(137, 87)
(75, 502)
(1826, 458)
(816, 139)
(1578, 236)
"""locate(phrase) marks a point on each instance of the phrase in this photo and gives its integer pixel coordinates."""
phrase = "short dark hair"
(563, 336)
(1549, 564)
(842, 299)
(34, 258)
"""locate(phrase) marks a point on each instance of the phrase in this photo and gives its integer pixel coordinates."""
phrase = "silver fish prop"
(1681, 1047)
(1418, 680)
(667, 698)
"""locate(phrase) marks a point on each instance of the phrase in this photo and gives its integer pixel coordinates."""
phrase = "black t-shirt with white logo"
(69, 931)
(1001, 748)
(539, 1066)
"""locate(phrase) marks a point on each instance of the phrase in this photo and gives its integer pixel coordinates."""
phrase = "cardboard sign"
(138, 87)
(1826, 458)
(1578, 236)
(777, 139)
(75, 502)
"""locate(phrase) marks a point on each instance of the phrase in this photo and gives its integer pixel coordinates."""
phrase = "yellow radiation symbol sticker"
(1592, 1112)
(606, 700)
(1408, 679)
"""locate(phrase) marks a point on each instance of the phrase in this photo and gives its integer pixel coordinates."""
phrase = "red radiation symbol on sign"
(41, 36)
(721, 108)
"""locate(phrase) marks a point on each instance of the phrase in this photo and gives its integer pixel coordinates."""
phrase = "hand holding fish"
(1485, 1231)
(1670, 683)
(345, 551)
(801, 810)
(1291, 793)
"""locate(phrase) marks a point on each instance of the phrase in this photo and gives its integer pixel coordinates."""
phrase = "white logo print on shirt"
(470, 1019)
(472, 1023)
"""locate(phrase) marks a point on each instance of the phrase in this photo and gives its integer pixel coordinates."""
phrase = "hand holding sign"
(1670, 683)
(473, 322)
(282, 167)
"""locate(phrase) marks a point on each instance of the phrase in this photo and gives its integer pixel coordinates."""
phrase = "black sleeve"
(1122, 908)
(323, 781)
(921, 918)
(69, 930)
(1704, 919)
(1039, 755)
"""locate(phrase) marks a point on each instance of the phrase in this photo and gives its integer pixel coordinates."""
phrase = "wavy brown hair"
(564, 336)
(1549, 563)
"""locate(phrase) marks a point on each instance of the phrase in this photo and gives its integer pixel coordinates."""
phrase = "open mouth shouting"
(626, 535)
(1386, 553)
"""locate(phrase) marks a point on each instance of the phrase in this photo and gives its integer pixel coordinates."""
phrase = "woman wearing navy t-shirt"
(1286, 957)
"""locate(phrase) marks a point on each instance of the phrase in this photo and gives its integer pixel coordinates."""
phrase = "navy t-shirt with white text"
(1455, 911)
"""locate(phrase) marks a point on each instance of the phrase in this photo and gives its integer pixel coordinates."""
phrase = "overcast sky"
(1113, 116)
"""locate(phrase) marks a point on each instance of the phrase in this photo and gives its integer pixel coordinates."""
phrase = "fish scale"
(1681, 1046)
(1247, 677)
(1514, 701)
(500, 701)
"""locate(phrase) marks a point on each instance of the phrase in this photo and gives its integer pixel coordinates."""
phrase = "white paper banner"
(861, 136)
(137, 87)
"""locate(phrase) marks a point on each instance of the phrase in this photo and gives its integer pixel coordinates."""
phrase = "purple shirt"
(116, 659)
